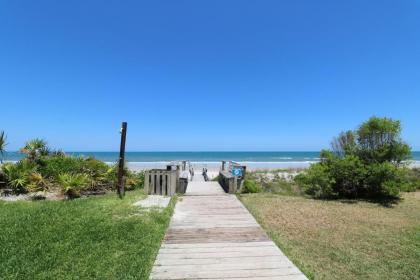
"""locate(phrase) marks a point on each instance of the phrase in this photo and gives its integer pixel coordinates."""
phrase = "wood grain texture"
(213, 236)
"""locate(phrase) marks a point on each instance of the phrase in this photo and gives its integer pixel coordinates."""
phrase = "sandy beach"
(216, 166)
(251, 166)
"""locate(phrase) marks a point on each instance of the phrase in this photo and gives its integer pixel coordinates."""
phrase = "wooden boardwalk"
(213, 236)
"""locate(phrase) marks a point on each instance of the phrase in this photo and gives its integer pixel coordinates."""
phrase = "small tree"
(34, 148)
(3, 145)
(379, 141)
(363, 163)
(344, 144)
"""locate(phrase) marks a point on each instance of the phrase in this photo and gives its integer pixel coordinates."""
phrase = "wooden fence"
(229, 182)
(173, 179)
(160, 181)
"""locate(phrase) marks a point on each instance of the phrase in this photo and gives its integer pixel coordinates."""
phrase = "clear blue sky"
(206, 75)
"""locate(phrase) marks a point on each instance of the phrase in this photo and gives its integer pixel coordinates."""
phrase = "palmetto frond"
(35, 147)
(3, 145)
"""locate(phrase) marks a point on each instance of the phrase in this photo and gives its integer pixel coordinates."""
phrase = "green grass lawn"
(343, 239)
(98, 238)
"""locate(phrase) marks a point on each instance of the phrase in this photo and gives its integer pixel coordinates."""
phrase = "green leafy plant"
(413, 178)
(35, 148)
(251, 186)
(52, 166)
(368, 163)
(73, 184)
(37, 182)
(317, 182)
(3, 144)
(17, 175)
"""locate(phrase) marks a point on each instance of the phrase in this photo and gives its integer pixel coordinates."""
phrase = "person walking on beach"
(192, 173)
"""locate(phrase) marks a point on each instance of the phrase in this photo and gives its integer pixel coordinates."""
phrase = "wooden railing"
(173, 179)
(230, 182)
(160, 181)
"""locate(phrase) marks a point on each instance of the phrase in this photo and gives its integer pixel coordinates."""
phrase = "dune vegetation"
(368, 163)
(353, 215)
(44, 170)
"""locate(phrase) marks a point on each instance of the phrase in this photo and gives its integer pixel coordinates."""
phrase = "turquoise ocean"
(200, 156)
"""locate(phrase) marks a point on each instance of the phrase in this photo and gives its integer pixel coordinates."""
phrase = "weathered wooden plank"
(152, 184)
(197, 274)
(245, 249)
(270, 253)
(200, 261)
(226, 234)
(213, 236)
(217, 245)
(282, 277)
(146, 183)
(166, 190)
(223, 266)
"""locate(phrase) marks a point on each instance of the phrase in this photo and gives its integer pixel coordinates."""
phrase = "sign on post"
(237, 171)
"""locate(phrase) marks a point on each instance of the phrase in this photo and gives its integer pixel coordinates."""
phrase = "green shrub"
(365, 163)
(72, 185)
(140, 179)
(52, 166)
(133, 180)
(317, 181)
(17, 175)
(35, 148)
(385, 179)
(348, 175)
(413, 178)
(43, 168)
(37, 182)
(250, 186)
(95, 168)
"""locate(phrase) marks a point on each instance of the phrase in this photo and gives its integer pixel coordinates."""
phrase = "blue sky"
(206, 75)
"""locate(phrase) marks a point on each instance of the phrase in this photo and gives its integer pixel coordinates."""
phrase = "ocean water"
(257, 157)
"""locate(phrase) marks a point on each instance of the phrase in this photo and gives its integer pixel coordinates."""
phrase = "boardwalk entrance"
(213, 236)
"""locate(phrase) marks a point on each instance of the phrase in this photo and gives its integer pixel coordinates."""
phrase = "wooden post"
(120, 186)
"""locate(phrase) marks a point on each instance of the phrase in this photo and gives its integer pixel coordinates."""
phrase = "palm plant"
(73, 184)
(3, 144)
(35, 148)
(37, 182)
(17, 175)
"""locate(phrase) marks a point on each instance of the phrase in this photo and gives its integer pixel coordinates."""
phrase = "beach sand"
(213, 168)
(216, 166)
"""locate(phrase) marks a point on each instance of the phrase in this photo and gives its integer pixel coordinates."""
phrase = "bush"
(348, 174)
(385, 180)
(274, 182)
(43, 168)
(95, 168)
(250, 186)
(52, 166)
(37, 182)
(413, 178)
(72, 185)
(133, 180)
(368, 163)
(317, 181)
(17, 175)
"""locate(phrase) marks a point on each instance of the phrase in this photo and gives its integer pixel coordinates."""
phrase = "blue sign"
(237, 171)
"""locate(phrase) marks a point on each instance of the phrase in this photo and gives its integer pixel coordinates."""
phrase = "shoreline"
(251, 166)
(216, 165)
